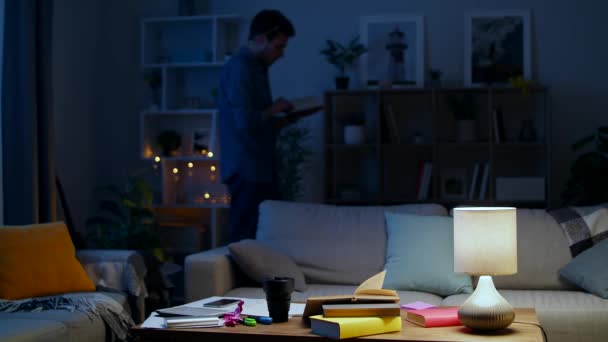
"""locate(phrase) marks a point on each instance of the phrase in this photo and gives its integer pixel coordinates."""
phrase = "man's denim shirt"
(247, 141)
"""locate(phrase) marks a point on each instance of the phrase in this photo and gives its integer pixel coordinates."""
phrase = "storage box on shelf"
(182, 58)
(415, 149)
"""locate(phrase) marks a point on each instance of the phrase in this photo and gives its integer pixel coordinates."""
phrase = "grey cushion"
(332, 244)
(589, 270)
(420, 255)
(260, 262)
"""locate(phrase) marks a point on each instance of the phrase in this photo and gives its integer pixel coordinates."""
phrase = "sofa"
(119, 278)
(338, 247)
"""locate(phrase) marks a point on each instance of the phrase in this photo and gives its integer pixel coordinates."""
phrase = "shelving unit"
(186, 55)
(386, 168)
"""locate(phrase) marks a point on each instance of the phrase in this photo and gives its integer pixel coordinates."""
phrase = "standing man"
(249, 121)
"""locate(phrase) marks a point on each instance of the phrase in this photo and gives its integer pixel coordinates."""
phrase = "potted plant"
(292, 159)
(343, 56)
(125, 220)
(588, 183)
(464, 110)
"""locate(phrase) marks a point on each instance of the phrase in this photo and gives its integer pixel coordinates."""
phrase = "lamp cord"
(538, 325)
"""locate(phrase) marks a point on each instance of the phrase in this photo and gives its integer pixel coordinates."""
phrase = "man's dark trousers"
(245, 200)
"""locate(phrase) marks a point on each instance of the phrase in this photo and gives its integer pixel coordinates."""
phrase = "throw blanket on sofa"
(583, 226)
(93, 305)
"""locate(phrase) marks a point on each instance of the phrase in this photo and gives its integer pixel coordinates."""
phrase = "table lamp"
(485, 245)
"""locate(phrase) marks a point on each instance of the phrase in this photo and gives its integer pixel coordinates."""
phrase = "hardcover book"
(361, 310)
(434, 317)
(345, 327)
(370, 291)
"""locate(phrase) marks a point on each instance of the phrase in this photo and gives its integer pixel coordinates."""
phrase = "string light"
(157, 159)
(212, 168)
(190, 165)
(210, 154)
(175, 170)
(206, 195)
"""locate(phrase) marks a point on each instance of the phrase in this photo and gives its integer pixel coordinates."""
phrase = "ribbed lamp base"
(486, 309)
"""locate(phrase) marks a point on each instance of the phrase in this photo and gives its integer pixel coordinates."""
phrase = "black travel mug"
(278, 297)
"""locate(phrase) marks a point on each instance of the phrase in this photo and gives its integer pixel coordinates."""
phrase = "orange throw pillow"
(39, 260)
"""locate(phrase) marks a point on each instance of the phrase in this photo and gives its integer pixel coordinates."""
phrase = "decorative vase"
(342, 82)
(354, 134)
(465, 130)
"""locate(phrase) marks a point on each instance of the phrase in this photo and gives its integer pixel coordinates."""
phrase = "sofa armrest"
(208, 273)
(123, 270)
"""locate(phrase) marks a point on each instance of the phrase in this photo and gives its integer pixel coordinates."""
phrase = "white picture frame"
(374, 65)
(491, 35)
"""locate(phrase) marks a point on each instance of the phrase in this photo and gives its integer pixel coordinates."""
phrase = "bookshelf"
(404, 128)
(184, 57)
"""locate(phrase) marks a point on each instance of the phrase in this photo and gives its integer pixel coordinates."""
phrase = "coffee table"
(525, 328)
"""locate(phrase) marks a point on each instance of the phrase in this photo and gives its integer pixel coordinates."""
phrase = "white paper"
(251, 307)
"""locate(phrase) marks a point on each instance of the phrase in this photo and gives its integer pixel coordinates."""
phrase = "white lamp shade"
(485, 241)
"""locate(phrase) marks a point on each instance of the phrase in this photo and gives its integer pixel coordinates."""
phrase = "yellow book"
(346, 327)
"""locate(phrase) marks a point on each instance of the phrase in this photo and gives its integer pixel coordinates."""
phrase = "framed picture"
(201, 141)
(496, 47)
(395, 54)
(454, 184)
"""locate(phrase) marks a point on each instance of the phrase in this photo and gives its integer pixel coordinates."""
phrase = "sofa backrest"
(542, 249)
(332, 244)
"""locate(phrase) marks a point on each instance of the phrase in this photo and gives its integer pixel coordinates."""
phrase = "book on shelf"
(361, 310)
(484, 181)
(370, 291)
(425, 182)
(420, 180)
(192, 322)
(434, 317)
(346, 327)
(474, 186)
(391, 123)
(499, 125)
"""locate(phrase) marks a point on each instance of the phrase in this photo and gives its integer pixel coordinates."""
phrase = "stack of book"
(340, 321)
(192, 322)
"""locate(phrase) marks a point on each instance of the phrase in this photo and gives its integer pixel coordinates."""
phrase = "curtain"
(27, 118)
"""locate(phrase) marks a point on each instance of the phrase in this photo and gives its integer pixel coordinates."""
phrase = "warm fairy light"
(203, 152)
(175, 170)
(157, 159)
(206, 195)
(213, 168)
(210, 154)
(190, 165)
(212, 178)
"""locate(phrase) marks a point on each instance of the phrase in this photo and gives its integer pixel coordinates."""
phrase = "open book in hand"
(370, 291)
(306, 103)
(303, 106)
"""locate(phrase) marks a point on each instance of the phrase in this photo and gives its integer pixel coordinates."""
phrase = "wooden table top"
(524, 328)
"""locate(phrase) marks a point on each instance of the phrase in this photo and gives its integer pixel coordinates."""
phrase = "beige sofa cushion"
(332, 244)
(542, 250)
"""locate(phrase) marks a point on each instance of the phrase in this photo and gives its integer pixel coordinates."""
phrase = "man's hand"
(279, 106)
